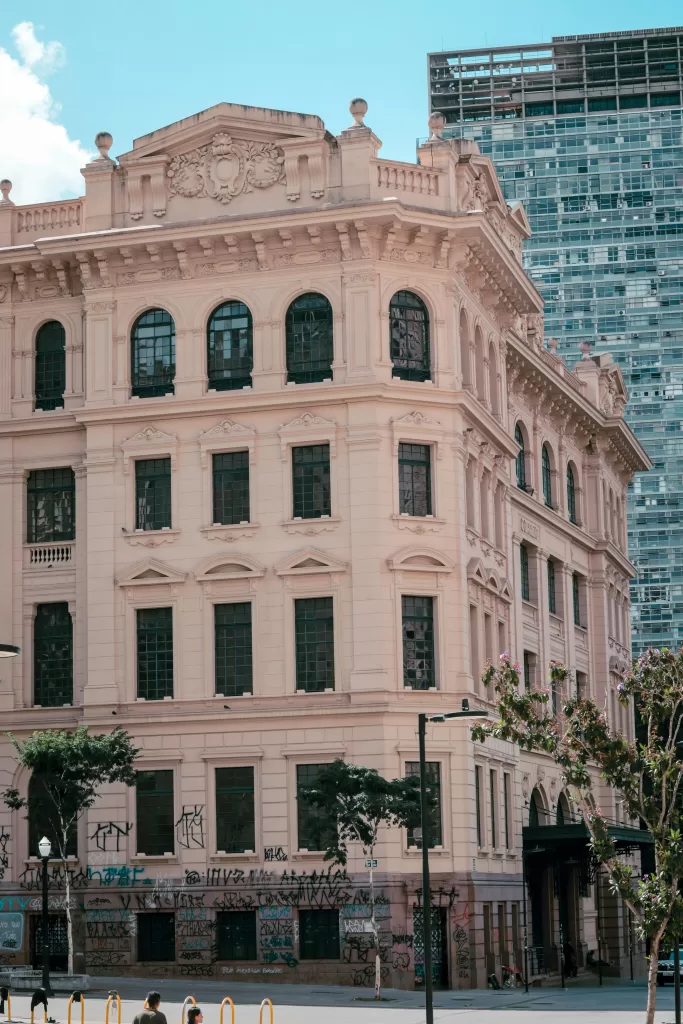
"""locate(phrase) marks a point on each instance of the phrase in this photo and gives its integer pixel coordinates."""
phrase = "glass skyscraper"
(586, 132)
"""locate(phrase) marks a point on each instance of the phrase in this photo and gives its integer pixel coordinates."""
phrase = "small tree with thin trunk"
(351, 803)
(646, 773)
(70, 768)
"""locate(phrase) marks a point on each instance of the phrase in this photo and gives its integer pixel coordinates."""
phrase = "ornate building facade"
(284, 461)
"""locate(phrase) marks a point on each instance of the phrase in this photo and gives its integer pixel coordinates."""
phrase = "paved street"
(298, 1004)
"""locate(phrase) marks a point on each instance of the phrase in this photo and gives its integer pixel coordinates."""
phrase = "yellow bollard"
(76, 997)
(189, 999)
(232, 1010)
(112, 996)
(260, 1015)
(6, 996)
(44, 1016)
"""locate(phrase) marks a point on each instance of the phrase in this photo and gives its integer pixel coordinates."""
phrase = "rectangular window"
(319, 934)
(314, 639)
(154, 812)
(51, 506)
(236, 935)
(493, 796)
(233, 649)
(433, 784)
(419, 670)
(155, 653)
(414, 479)
(524, 571)
(235, 814)
(581, 684)
(475, 666)
(156, 937)
(477, 800)
(152, 494)
(502, 642)
(507, 808)
(528, 670)
(488, 637)
(52, 655)
(576, 598)
(231, 488)
(311, 482)
(311, 832)
(552, 604)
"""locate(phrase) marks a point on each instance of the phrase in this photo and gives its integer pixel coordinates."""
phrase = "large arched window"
(571, 494)
(409, 337)
(546, 476)
(152, 352)
(230, 358)
(310, 351)
(520, 461)
(50, 369)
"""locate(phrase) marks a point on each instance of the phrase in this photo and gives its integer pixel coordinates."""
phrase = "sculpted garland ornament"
(225, 168)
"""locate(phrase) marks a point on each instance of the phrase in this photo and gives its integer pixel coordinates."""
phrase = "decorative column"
(356, 361)
(99, 361)
(6, 343)
(269, 355)
(190, 357)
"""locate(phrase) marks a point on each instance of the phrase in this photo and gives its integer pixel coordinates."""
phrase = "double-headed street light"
(45, 849)
(424, 816)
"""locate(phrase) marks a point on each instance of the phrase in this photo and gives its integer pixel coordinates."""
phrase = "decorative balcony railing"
(64, 217)
(407, 178)
(48, 556)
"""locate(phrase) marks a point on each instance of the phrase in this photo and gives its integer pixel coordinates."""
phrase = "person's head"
(194, 1015)
(153, 1000)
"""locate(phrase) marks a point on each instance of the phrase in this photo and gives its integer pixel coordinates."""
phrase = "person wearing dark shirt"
(194, 1015)
(152, 1014)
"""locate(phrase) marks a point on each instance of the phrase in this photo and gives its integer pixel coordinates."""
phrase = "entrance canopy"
(574, 839)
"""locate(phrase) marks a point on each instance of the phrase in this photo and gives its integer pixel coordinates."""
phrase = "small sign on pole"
(371, 862)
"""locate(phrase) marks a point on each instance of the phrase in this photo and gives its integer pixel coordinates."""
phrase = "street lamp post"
(8, 651)
(45, 849)
(424, 816)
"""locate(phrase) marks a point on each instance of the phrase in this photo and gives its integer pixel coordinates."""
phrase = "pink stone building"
(284, 461)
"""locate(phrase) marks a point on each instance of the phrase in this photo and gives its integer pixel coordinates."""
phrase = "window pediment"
(150, 572)
(229, 567)
(419, 559)
(309, 561)
(149, 441)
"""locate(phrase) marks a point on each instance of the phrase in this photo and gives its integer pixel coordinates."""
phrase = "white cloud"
(37, 154)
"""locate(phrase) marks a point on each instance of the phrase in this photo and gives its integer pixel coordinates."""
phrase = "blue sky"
(130, 66)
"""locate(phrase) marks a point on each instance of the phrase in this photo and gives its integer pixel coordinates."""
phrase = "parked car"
(665, 966)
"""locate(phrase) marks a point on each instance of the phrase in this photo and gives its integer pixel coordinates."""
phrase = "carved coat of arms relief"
(225, 168)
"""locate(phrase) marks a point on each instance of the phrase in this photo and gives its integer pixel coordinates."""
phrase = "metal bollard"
(232, 1010)
(5, 998)
(39, 998)
(260, 1013)
(188, 999)
(75, 997)
(112, 996)
(44, 1014)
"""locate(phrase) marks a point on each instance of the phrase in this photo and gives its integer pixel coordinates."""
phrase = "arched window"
(537, 813)
(571, 494)
(465, 358)
(520, 461)
(546, 476)
(409, 337)
(43, 820)
(230, 357)
(153, 354)
(494, 397)
(480, 375)
(308, 327)
(50, 370)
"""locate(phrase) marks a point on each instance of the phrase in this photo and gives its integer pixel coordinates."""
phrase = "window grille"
(314, 637)
(153, 354)
(230, 347)
(51, 505)
(156, 937)
(309, 344)
(419, 670)
(524, 569)
(547, 476)
(311, 831)
(233, 649)
(235, 817)
(155, 812)
(50, 368)
(414, 479)
(152, 494)
(52, 655)
(571, 495)
(520, 462)
(311, 481)
(155, 653)
(409, 337)
(231, 488)
(43, 820)
(236, 935)
(319, 934)
(433, 783)
(552, 604)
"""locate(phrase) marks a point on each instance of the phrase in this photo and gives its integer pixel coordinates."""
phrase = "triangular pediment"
(308, 561)
(520, 219)
(149, 572)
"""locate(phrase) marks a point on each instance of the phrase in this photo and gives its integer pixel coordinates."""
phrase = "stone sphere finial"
(552, 346)
(5, 189)
(358, 109)
(437, 123)
(103, 141)
(585, 348)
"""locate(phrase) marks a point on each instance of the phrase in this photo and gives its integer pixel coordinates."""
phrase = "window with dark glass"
(155, 653)
(527, 671)
(520, 461)
(319, 934)
(235, 816)
(229, 347)
(236, 935)
(152, 494)
(52, 655)
(409, 337)
(50, 368)
(51, 506)
(314, 642)
(308, 330)
(576, 599)
(414, 479)
(546, 476)
(507, 808)
(434, 825)
(524, 571)
(571, 495)
(419, 668)
(233, 651)
(552, 604)
(156, 936)
(231, 488)
(312, 834)
(493, 797)
(477, 804)
(153, 354)
(311, 481)
(43, 820)
(154, 812)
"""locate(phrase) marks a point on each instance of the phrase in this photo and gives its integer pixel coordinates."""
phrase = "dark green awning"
(568, 838)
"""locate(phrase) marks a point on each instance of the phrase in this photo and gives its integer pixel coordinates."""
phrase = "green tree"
(351, 803)
(70, 768)
(646, 773)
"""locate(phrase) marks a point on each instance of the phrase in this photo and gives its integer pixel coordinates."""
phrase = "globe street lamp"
(45, 849)
(8, 651)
